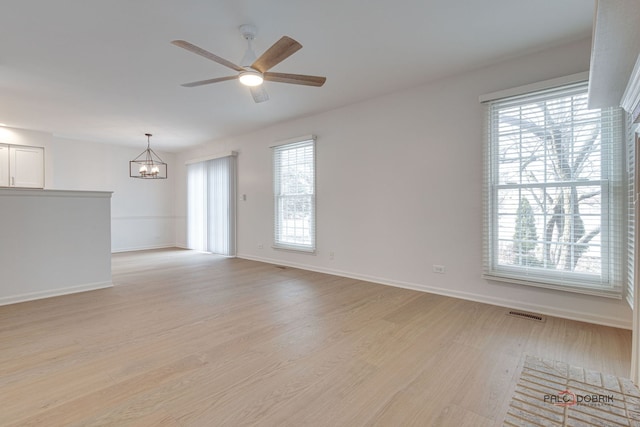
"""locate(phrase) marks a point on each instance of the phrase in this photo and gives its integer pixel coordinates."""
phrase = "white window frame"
(610, 282)
(280, 240)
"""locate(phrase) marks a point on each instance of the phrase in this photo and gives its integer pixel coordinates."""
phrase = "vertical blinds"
(211, 189)
(632, 192)
(554, 192)
(294, 195)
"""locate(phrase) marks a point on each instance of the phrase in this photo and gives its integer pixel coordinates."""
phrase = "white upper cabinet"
(26, 166)
(4, 165)
(21, 166)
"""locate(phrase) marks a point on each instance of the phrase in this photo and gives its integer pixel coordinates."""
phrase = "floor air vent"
(525, 315)
(281, 267)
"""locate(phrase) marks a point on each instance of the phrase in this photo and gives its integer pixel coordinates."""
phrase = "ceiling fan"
(251, 71)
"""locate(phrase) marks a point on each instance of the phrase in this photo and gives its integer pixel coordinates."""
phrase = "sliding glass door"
(211, 213)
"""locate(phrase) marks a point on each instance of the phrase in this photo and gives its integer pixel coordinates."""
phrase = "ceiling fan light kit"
(254, 74)
(251, 78)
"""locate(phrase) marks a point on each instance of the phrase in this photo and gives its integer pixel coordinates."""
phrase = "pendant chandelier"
(148, 165)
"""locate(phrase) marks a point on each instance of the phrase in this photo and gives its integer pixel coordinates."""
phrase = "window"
(294, 195)
(554, 194)
(211, 206)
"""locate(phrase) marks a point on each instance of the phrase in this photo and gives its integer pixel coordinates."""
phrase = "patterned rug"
(551, 393)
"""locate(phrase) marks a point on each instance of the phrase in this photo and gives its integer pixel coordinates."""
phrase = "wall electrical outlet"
(331, 255)
(438, 268)
(260, 246)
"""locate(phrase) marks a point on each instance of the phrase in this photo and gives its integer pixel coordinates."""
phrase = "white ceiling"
(105, 71)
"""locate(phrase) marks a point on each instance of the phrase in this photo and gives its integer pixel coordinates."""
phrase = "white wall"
(53, 243)
(142, 211)
(399, 185)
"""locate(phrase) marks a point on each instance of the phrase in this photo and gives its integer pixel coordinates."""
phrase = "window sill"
(614, 293)
(297, 249)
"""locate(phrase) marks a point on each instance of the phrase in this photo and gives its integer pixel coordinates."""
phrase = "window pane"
(551, 228)
(296, 219)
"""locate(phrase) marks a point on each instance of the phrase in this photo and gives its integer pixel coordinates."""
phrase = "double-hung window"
(294, 195)
(554, 194)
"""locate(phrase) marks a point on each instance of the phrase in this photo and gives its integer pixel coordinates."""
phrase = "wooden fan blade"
(296, 79)
(209, 81)
(259, 94)
(278, 52)
(199, 51)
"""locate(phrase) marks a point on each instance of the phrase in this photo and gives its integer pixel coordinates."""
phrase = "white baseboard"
(13, 299)
(143, 248)
(501, 302)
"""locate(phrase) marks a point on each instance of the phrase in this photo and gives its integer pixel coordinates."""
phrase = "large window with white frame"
(554, 192)
(294, 195)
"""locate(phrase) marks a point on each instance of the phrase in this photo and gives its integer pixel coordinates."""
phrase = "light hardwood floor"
(190, 339)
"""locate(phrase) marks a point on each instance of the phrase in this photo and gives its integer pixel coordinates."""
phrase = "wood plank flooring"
(191, 339)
